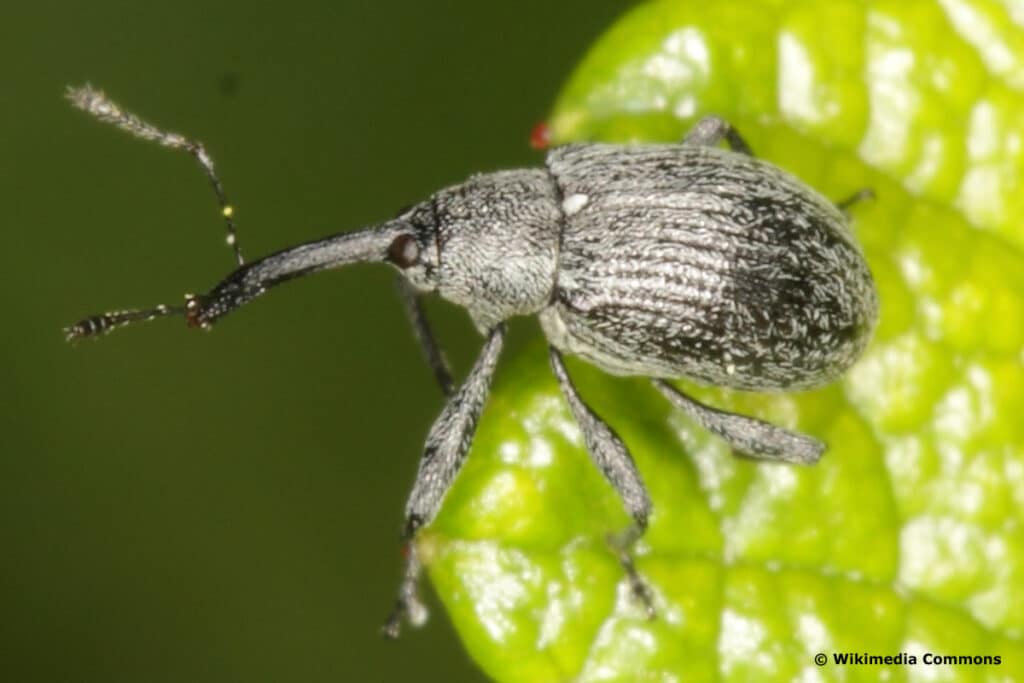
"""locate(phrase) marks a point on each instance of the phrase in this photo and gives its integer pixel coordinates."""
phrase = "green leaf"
(909, 535)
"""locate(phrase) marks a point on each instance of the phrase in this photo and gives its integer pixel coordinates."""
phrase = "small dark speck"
(227, 83)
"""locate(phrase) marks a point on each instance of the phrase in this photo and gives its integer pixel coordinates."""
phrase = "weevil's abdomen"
(685, 261)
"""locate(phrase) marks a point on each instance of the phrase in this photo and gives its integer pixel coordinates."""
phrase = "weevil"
(666, 261)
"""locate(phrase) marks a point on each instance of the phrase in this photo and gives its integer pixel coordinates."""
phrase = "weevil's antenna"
(94, 102)
(104, 323)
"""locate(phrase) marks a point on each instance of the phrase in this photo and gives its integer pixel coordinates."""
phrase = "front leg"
(445, 450)
(613, 459)
(412, 302)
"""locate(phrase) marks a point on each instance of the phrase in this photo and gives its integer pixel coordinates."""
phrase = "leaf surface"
(908, 536)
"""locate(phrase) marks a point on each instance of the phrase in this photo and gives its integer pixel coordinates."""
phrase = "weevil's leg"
(710, 130)
(412, 302)
(613, 459)
(103, 108)
(445, 451)
(863, 194)
(747, 435)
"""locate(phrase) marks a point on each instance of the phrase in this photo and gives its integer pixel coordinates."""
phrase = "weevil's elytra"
(700, 262)
(664, 261)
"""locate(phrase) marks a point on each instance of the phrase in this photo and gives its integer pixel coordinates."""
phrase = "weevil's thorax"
(497, 243)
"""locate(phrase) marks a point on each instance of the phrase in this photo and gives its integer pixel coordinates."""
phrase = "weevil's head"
(413, 249)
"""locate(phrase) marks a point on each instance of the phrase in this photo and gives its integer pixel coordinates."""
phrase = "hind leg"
(747, 435)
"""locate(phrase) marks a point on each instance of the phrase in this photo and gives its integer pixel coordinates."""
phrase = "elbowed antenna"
(251, 280)
(96, 103)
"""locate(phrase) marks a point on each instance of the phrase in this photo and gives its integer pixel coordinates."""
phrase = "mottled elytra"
(664, 261)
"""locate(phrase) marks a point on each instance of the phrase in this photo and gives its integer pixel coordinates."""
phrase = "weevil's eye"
(404, 251)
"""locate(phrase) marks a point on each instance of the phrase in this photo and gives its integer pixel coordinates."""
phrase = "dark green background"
(179, 506)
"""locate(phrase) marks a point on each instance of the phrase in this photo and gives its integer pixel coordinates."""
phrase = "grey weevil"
(658, 260)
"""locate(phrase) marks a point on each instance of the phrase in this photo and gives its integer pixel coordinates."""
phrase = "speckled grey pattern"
(658, 260)
(705, 263)
(497, 242)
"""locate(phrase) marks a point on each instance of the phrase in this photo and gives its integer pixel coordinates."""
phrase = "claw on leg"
(621, 543)
(408, 605)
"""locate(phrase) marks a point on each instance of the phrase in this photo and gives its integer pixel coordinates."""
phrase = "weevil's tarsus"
(747, 435)
(861, 195)
(412, 302)
(445, 451)
(95, 102)
(104, 323)
(408, 605)
(622, 544)
(711, 130)
(612, 457)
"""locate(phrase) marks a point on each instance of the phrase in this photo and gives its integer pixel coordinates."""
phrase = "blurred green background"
(225, 507)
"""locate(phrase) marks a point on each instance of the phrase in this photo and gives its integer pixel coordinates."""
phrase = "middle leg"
(413, 304)
(613, 459)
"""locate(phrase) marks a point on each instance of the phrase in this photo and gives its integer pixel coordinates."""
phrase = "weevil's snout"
(202, 310)
(196, 312)
(376, 244)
